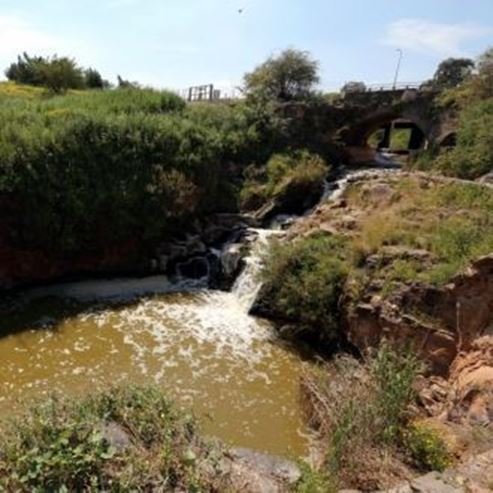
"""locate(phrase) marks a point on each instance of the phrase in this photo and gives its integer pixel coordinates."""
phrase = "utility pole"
(398, 67)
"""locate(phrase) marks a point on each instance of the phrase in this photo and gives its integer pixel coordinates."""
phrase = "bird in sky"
(240, 11)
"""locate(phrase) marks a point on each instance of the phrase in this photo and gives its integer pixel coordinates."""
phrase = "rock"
(471, 377)
(253, 472)
(450, 318)
(486, 179)
(163, 262)
(242, 477)
(194, 268)
(231, 258)
(434, 483)
(116, 436)
(276, 467)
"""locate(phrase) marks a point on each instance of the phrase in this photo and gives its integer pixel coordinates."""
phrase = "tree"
(353, 86)
(55, 73)
(26, 70)
(60, 74)
(94, 80)
(290, 76)
(485, 62)
(452, 72)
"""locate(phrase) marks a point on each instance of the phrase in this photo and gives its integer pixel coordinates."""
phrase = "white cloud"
(432, 37)
(18, 36)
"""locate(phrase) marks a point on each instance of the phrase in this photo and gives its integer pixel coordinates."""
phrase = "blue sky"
(178, 43)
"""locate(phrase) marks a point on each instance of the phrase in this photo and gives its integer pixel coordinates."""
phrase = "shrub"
(60, 445)
(314, 481)
(294, 180)
(394, 374)
(304, 282)
(94, 167)
(473, 155)
(427, 448)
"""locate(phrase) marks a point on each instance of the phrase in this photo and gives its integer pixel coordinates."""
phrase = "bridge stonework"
(342, 129)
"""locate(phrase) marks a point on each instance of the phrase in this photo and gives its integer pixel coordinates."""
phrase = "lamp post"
(398, 67)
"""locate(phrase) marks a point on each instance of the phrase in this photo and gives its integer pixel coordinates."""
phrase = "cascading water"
(248, 284)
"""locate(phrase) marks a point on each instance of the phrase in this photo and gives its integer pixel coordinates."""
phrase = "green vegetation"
(471, 94)
(304, 281)
(452, 72)
(57, 74)
(449, 220)
(473, 156)
(92, 167)
(362, 411)
(63, 445)
(314, 481)
(290, 179)
(290, 76)
(427, 448)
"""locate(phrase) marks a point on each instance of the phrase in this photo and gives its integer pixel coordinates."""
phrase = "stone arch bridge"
(343, 128)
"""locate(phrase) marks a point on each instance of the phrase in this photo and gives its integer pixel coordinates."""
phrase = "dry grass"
(451, 220)
(361, 413)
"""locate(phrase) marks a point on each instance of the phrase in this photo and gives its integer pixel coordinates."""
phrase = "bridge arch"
(358, 134)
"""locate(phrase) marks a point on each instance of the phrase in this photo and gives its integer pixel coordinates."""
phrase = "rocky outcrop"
(439, 322)
(473, 476)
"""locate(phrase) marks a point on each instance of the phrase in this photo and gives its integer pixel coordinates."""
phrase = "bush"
(473, 155)
(61, 445)
(314, 481)
(394, 374)
(304, 282)
(295, 181)
(95, 167)
(427, 448)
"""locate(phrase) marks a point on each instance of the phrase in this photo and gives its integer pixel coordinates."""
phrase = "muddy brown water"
(198, 345)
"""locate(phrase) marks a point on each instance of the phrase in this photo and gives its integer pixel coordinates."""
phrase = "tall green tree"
(60, 74)
(452, 72)
(94, 80)
(55, 73)
(290, 76)
(26, 70)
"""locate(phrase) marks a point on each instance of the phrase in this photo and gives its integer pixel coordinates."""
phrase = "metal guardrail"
(211, 93)
(402, 86)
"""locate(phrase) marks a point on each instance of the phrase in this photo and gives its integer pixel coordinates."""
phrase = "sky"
(179, 43)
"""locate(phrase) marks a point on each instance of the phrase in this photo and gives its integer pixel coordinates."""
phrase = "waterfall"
(248, 284)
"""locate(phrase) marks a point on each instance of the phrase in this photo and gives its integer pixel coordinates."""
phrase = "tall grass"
(92, 167)
(362, 414)
(450, 220)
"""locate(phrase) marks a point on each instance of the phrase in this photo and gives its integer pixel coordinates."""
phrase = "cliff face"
(440, 322)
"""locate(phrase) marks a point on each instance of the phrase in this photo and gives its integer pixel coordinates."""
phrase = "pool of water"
(201, 346)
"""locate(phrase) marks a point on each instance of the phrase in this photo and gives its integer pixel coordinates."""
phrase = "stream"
(200, 345)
